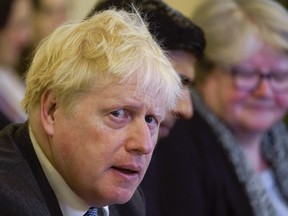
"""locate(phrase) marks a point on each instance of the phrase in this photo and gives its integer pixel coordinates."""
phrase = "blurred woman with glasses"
(231, 158)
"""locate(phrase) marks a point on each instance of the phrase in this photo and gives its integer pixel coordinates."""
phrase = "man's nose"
(140, 140)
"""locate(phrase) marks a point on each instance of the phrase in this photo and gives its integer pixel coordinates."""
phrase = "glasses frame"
(277, 81)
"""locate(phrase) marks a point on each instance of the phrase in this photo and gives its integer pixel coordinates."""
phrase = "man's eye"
(151, 120)
(119, 113)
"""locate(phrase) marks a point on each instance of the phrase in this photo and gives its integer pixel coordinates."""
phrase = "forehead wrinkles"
(129, 92)
(154, 104)
(147, 95)
(120, 90)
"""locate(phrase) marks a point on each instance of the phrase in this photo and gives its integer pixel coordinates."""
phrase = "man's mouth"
(126, 171)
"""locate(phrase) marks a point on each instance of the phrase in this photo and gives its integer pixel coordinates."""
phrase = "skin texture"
(248, 113)
(17, 34)
(184, 64)
(108, 141)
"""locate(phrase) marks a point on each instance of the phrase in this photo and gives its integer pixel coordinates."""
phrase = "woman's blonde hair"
(235, 29)
(112, 46)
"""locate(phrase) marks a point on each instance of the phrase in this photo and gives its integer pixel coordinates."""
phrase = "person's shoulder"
(11, 159)
(7, 147)
(18, 187)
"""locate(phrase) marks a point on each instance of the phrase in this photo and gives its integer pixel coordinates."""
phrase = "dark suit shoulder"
(4, 121)
(19, 191)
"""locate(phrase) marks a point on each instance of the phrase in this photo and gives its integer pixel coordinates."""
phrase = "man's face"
(184, 64)
(103, 150)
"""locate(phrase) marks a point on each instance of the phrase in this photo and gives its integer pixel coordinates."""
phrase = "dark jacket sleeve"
(24, 189)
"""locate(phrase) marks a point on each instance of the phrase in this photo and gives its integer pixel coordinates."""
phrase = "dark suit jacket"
(4, 121)
(24, 188)
(191, 174)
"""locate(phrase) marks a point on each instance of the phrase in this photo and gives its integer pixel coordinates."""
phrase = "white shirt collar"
(70, 203)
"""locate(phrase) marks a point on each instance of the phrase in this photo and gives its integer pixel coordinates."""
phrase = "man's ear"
(48, 107)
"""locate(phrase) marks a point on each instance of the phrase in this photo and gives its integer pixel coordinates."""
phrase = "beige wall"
(184, 6)
(82, 7)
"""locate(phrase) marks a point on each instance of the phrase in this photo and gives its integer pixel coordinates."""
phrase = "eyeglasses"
(249, 79)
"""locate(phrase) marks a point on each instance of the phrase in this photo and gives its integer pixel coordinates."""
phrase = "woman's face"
(17, 33)
(242, 99)
(51, 14)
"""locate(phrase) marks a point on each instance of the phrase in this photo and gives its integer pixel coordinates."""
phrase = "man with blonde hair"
(97, 91)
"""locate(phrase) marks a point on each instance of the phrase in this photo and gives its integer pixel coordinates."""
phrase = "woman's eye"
(151, 120)
(119, 113)
(247, 75)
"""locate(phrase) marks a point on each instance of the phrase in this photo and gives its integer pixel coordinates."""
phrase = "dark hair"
(36, 4)
(5, 11)
(284, 3)
(171, 29)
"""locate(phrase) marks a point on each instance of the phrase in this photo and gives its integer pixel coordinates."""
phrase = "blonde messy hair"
(110, 46)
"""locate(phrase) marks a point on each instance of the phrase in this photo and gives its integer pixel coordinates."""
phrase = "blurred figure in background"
(231, 157)
(184, 43)
(15, 35)
(48, 15)
(285, 4)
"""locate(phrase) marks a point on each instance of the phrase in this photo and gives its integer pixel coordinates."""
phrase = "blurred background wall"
(82, 7)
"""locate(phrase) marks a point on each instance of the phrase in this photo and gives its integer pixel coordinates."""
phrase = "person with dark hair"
(15, 35)
(184, 43)
(48, 15)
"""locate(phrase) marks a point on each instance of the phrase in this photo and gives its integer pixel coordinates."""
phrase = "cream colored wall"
(82, 7)
(184, 6)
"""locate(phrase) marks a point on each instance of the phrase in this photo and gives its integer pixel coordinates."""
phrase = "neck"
(250, 143)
